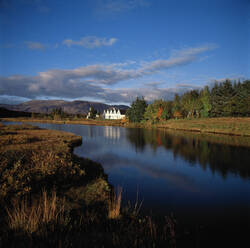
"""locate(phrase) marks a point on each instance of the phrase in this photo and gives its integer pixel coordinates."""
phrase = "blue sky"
(114, 50)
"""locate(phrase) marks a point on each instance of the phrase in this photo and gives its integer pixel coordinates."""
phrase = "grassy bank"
(51, 198)
(32, 158)
(80, 121)
(226, 125)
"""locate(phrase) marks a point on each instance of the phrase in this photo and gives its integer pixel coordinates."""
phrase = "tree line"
(222, 100)
(58, 114)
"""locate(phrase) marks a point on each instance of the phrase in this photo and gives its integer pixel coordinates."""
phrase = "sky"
(112, 51)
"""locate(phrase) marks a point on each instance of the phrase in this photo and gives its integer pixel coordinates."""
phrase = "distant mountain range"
(46, 106)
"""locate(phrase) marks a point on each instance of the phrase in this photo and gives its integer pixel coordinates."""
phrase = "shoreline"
(232, 126)
(51, 196)
(97, 222)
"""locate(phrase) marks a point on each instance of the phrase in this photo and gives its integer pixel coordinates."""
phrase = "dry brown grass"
(96, 122)
(133, 210)
(32, 159)
(224, 125)
(29, 154)
(114, 205)
(29, 216)
(21, 137)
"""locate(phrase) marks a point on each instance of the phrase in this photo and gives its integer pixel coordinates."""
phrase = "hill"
(12, 113)
(46, 106)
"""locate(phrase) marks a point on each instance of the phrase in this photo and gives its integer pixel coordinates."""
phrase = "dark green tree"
(216, 100)
(241, 100)
(92, 113)
(222, 99)
(137, 110)
(150, 113)
(229, 95)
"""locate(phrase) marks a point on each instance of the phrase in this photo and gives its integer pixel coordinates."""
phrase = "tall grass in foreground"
(134, 210)
(114, 204)
(43, 223)
(28, 216)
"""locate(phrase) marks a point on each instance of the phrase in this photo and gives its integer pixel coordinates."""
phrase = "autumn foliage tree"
(159, 113)
(158, 110)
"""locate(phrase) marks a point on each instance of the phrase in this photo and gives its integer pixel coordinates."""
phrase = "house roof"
(122, 111)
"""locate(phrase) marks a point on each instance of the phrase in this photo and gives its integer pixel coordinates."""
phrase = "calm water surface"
(172, 172)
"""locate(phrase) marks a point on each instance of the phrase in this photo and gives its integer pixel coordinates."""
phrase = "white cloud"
(91, 42)
(179, 57)
(191, 51)
(96, 81)
(34, 45)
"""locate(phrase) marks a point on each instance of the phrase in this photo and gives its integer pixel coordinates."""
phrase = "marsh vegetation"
(51, 197)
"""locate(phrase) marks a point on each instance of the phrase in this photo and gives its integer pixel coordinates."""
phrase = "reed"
(114, 204)
(133, 209)
(28, 215)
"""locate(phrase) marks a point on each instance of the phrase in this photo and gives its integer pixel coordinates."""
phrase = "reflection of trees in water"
(196, 148)
(137, 138)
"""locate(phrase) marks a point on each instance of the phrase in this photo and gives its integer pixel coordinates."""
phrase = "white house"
(114, 114)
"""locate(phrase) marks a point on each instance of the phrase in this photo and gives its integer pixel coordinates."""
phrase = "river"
(196, 179)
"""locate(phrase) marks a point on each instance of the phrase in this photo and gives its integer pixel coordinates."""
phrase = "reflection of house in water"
(112, 132)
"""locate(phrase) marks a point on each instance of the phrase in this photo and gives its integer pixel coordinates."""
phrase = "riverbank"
(31, 156)
(50, 197)
(74, 202)
(225, 125)
(96, 122)
(238, 126)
